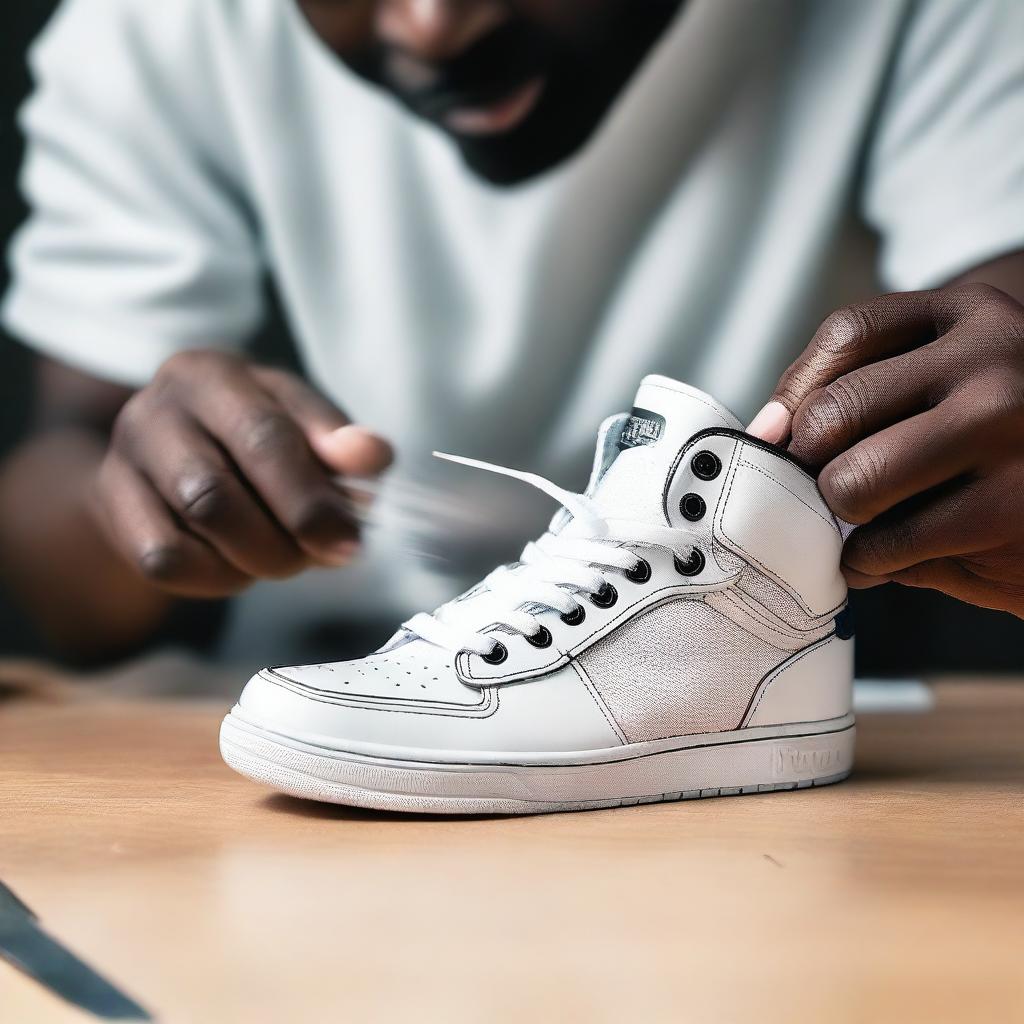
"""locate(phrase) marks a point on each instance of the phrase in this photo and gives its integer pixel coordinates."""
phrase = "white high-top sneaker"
(680, 631)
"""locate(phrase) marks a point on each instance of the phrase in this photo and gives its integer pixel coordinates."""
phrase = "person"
(486, 220)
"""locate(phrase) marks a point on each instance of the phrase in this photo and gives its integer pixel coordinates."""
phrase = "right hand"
(220, 472)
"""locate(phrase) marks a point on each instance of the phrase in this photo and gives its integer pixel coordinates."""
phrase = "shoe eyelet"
(576, 616)
(693, 566)
(706, 465)
(605, 597)
(640, 573)
(542, 638)
(499, 652)
(692, 507)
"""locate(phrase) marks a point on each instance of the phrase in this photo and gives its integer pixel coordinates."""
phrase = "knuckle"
(993, 406)
(843, 331)
(848, 484)
(833, 350)
(162, 563)
(267, 433)
(999, 323)
(976, 293)
(203, 497)
(828, 414)
(1006, 396)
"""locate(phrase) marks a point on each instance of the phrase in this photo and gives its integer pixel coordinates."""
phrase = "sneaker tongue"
(665, 415)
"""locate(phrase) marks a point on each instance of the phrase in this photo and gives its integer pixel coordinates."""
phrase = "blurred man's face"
(518, 84)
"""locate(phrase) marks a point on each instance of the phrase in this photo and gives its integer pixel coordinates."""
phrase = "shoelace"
(552, 572)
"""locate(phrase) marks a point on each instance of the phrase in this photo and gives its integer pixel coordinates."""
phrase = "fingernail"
(771, 424)
(350, 431)
(341, 553)
(330, 441)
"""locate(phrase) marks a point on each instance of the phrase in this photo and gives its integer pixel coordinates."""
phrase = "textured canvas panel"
(678, 669)
(770, 595)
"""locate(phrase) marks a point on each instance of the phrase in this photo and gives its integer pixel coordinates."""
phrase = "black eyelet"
(499, 652)
(605, 597)
(640, 573)
(576, 616)
(706, 465)
(542, 638)
(692, 507)
(693, 566)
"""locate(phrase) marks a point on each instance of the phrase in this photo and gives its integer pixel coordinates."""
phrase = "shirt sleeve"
(944, 182)
(138, 242)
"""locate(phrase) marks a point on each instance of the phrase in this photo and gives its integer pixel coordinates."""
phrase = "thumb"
(342, 446)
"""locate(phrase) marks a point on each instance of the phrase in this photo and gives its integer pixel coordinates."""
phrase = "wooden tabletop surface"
(898, 895)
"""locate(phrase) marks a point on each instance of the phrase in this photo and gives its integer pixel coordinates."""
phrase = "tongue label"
(642, 427)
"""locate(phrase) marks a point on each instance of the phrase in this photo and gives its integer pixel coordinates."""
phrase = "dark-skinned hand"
(911, 406)
(220, 472)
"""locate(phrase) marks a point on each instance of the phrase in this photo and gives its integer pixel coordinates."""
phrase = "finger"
(894, 465)
(858, 581)
(859, 403)
(859, 334)
(274, 456)
(977, 516)
(207, 496)
(314, 412)
(849, 337)
(965, 581)
(140, 527)
(345, 447)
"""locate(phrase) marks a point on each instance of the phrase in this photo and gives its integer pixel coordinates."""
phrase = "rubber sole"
(727, 765)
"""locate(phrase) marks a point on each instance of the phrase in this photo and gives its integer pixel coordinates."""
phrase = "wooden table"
(898, 895)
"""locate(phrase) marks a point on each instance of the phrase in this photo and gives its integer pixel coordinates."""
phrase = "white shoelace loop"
(552, 574)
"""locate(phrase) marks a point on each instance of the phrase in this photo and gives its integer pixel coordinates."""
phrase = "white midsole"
(744, 760)
(326, 745)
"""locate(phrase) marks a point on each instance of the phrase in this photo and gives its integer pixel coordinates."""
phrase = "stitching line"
(682, 590)
(768, 618)
(763, 616)
(341, 755)
(392, 710)
(734, 471)
(356, 698)
(672, 391)
(591, 689)
(765, 473)
(778, 671)
(739, 608)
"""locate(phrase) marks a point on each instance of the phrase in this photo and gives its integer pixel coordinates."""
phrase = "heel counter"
(813, 685)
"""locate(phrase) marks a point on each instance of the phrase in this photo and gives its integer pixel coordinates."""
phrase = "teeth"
(498, 116)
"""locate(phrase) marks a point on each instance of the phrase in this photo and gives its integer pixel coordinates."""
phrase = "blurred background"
(900, 631)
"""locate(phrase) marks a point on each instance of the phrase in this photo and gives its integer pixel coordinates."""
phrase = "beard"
(581, 79)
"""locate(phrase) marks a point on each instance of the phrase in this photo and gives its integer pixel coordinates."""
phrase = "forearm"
(84, 598)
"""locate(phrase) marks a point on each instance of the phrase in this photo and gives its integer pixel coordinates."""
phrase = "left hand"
(911, 406)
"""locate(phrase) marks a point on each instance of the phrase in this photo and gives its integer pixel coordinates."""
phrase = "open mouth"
(495, 116)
